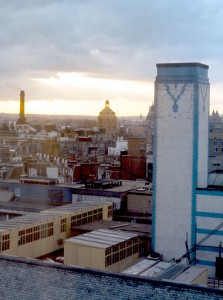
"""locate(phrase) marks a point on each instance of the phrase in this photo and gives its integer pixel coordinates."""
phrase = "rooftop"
(32, 279)
(182, 64)
(75, 207)
(137, 228)
(102, 238)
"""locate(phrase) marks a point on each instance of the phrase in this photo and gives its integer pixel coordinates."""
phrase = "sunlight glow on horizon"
(77, 94)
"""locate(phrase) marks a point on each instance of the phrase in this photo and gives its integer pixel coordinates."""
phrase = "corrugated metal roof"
(140, 267)
(31, 219)
(155, 270)
(102, 238)
(77, 207)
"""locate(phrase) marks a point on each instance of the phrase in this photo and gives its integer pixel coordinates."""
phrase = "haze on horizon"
(70, 56)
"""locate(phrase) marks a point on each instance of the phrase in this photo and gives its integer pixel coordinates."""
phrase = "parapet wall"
(32, 279)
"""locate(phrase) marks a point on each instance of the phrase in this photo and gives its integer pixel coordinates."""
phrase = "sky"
(69, 56)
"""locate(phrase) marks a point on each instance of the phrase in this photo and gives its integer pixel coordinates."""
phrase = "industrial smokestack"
(22, 104)
(22, 119)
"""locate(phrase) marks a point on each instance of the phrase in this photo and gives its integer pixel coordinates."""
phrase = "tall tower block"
(180, 154)
(22, 119)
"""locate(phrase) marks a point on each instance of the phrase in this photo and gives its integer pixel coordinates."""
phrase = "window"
(36, 233)
(46, 230)
(5, 243)
(115, 257)
(22, 237)
(29, 235)
(121, 251)
(50, 228)
(78, 222)
(84, 218)
(90, 216)
(108, 260)
(100, 214)
(63, 227)
(110, 211)
(73, 221)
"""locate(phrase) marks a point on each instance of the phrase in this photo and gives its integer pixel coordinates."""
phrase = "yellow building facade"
(37, 234)
(103, 249)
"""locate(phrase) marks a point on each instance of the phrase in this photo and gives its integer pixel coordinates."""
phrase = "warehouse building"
(103, 250)
(82, 213)
(37, 234)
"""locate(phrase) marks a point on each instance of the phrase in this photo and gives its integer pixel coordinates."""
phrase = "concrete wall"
(139, 203)
(46, 194)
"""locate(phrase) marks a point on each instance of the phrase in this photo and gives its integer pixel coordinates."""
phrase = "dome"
(107, 118)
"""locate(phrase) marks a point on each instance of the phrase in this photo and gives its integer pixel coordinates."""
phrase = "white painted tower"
(180, 154)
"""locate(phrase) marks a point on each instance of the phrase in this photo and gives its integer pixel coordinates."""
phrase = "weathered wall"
(31, 279)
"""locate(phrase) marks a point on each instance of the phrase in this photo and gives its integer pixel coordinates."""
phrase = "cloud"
(109, 39)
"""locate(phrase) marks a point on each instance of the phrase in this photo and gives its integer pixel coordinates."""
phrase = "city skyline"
(70, 56)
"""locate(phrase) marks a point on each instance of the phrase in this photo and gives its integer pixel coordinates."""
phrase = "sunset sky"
(69, 56)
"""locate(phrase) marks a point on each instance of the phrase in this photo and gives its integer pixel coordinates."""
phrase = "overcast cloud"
(113, 39)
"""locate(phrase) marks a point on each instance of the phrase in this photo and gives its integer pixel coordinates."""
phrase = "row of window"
(215, 143)
(90, 216)
(215, 149)
(35, 233)
(120, 251)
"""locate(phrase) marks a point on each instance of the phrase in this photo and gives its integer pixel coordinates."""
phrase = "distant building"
(149, 127)
(215, 122)
(121, 145)
(137, 142)
(215, 143)
(107, 119)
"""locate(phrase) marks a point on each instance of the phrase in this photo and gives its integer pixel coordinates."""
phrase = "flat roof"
(182, 64)
(155, 270)
(166, 271)
(137, 228)
(101, 238)
(140, 267)
(77, 207)
(127, 185)
(190, 274)
(141, 191)
(31, 219)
